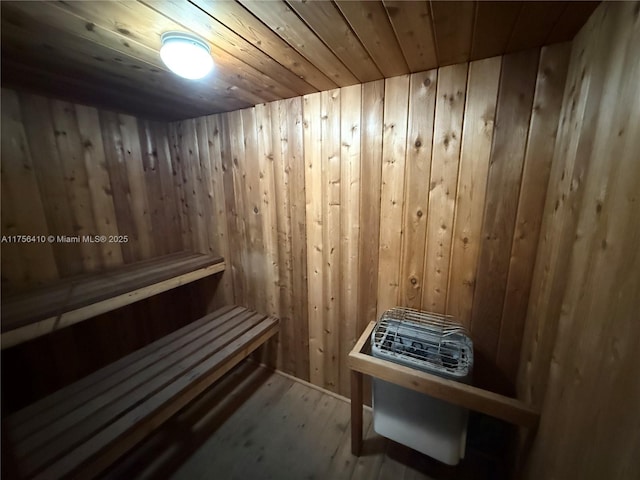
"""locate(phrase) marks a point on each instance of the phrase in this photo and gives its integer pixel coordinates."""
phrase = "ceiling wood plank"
(185, 16)
(414, 30)
(115, 68)
(493, 26)
(534, 24)
(145, 24)
(371, 24)
(76, 87)
(571, 21)
(279, 17)
(328, 23)
(453, 27)
(242, 22)
(134, 54)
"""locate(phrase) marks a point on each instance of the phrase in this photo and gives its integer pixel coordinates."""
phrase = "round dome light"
(186, 55)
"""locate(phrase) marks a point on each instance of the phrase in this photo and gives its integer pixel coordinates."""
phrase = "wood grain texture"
(331, 252)
(350, 184)
(349, 181)
(447, 136)
(475, 154)
(91, 178)
(371, 182)
(422, 99)
(281, 18)
(317, 199)
(413, 26)
(107, 53)
(535, 21)
(587, 346)
(453, 30)
(515, 99)
(396, 108)
(371, 24)
(315, 246)
(327, 23)
(552, 73)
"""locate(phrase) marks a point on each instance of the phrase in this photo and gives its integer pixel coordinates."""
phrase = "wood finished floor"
(258, 424)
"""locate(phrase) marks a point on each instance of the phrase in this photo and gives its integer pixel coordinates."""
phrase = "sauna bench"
(477, 399)
(81, 429)
(31, 314)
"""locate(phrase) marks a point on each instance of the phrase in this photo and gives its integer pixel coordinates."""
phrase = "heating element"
(427, 341)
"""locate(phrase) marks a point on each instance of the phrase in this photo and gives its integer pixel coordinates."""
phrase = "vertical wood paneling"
(76, 184)
(178, 180)
(170, 200)
(48, 169)
(416, 197)
(369, 215)
(112, 140)
(96, 173)
(137, 197)
(515, 99)
(235, 228)
(336, 206)
(547, 102)
(24, 210)
(284, 239)
(582, 330)
(447, 136)
(411, 155)
(331, 252)
(237, 168)
(266, 191)
(482, 95)
(350, 111)
(153, 185)
(220, 239)
(559, 225)
(396, 107)
(315, 247)
(291, 121)
(99, 182)
(256, 280)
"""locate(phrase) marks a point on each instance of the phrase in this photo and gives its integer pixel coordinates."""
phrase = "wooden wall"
(582, 343)
(74, 170)
(424, 190)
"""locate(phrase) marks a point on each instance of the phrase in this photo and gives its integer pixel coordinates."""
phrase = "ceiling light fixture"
(186, 55)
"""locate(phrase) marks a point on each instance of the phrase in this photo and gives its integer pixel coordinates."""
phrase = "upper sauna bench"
(36, 312)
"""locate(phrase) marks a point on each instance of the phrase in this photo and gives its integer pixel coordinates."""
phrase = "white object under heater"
(434, 344)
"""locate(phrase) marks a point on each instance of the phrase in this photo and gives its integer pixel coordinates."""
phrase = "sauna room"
(320, 240)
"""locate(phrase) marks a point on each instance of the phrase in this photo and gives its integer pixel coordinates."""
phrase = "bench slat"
(106, 446)
(107, 408)
(64, 415)
(44, 310)
(19, 422)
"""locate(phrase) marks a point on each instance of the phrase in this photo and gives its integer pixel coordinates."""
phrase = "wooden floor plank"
(272, 426)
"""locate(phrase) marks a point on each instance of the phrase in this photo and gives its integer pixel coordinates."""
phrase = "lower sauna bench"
(81, 429)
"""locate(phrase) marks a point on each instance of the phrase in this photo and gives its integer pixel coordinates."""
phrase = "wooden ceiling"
(106, 53)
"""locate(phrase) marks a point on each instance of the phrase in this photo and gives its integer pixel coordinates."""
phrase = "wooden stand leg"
(356, 413)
